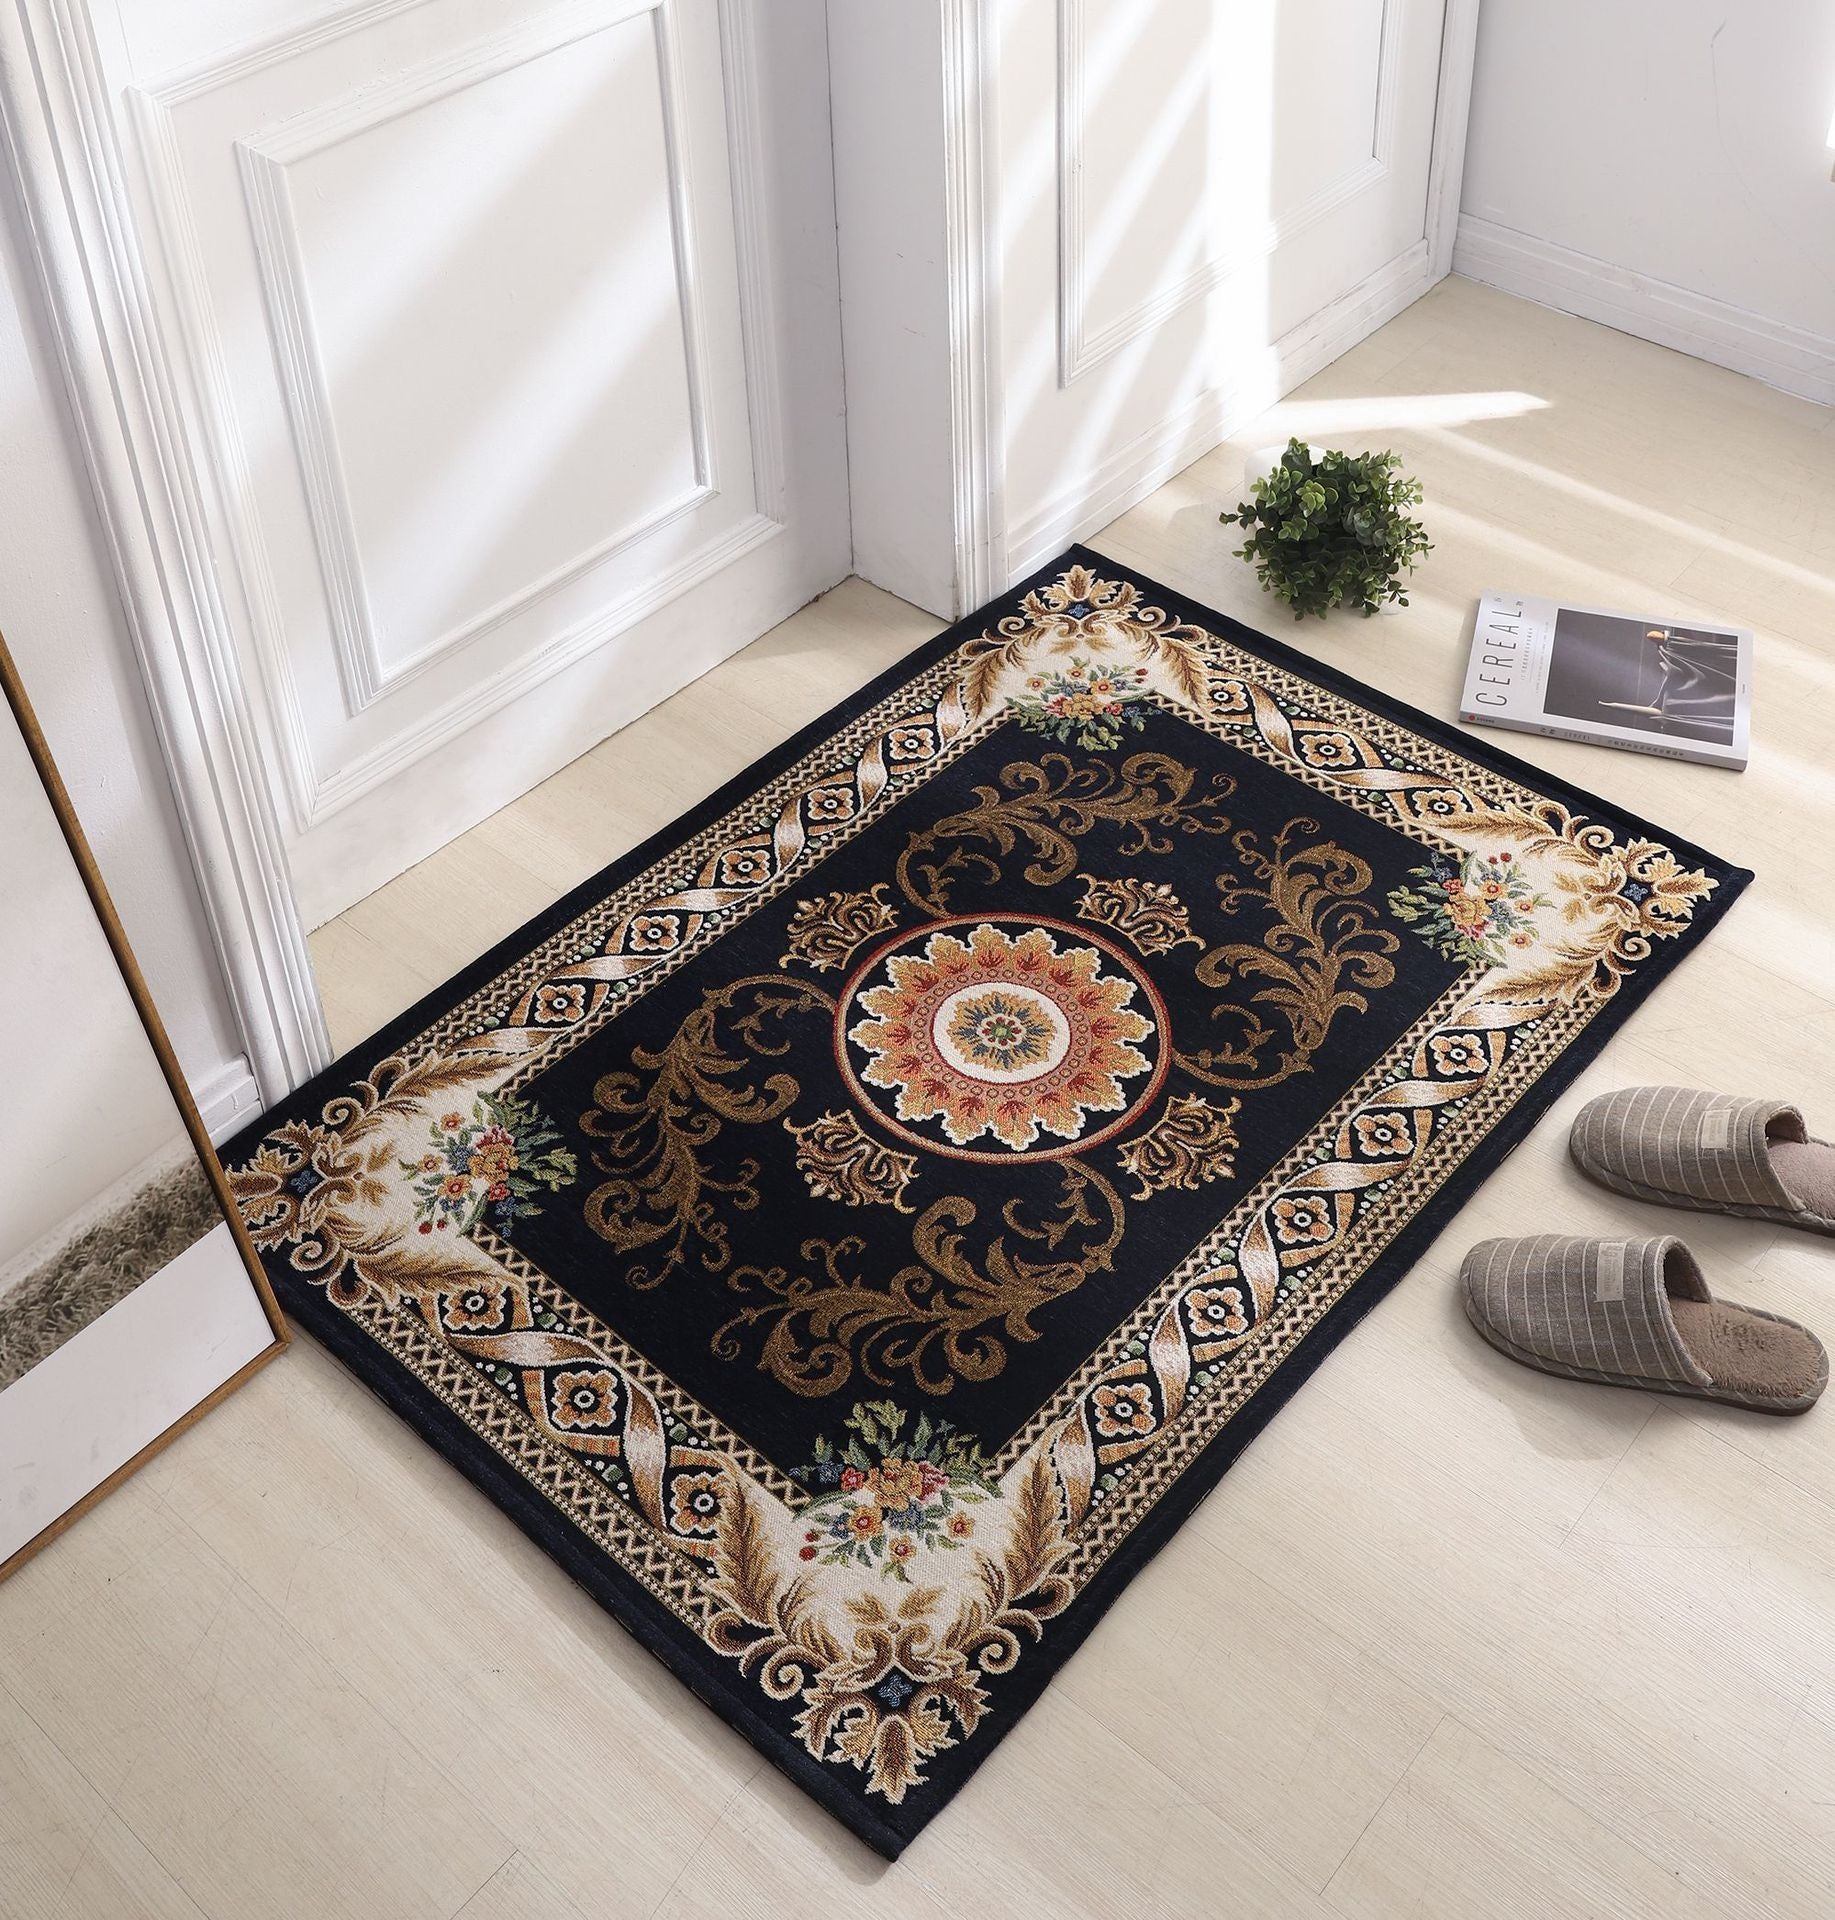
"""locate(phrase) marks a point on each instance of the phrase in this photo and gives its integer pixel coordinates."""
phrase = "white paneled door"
(509, 340)
(1285, 158)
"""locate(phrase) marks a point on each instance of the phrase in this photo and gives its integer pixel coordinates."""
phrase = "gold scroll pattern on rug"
(660, 928)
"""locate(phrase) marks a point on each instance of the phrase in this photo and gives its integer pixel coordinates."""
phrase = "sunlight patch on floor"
(1404, 411)
(1599, 497)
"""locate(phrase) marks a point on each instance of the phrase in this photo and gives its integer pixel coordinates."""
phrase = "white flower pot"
(1264, 460)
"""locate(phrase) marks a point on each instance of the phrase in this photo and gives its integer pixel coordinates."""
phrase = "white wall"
(885, 98)
(63, 623)
(1663, 167)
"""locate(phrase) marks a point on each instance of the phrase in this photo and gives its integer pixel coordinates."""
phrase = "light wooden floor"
(1453, 1639)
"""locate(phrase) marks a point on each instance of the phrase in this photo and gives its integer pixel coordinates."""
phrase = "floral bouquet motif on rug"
(1472, 908)
(891, 1495)
(1085, 705)
(487, 1166)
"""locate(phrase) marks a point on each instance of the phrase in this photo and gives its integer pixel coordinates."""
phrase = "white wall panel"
(1232, 160)
(1666, 170)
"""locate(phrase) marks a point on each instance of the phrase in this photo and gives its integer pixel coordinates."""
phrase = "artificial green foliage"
(1335, 533)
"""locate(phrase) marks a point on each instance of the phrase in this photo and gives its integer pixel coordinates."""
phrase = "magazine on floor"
(1682, 689)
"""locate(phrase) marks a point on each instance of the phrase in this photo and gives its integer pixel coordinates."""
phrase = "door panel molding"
(972, 241)
(756, 242)
(265, 159)
(1081, 347)
(317, 794)
(244, 62)
(1092, 486)
(981, 85)
(1112, 485)
(478, 702)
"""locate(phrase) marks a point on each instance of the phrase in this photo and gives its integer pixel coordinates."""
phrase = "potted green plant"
(1332, 529)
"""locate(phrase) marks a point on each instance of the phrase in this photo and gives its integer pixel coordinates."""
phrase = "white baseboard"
(1553, 276)
(227, 1098)
(1129, 475)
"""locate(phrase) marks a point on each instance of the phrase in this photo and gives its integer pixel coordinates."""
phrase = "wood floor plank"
(257, 1772)
(63, 1854)
(373, 983)
(1739, 1558)
(1287, 1731)
(518, 1890)
(1469, 1835)
(527, 1696)
(1066, 1817)
(1581, 1677)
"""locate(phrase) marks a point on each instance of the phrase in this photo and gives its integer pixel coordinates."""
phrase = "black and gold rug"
(851, 1233)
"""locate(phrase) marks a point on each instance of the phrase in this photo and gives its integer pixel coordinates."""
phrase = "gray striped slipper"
(1637, 1313)
(1715, 1152)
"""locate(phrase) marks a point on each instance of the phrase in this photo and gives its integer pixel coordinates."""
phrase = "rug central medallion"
(1015, 1034)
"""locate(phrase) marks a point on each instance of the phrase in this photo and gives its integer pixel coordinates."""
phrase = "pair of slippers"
(1637, 1312)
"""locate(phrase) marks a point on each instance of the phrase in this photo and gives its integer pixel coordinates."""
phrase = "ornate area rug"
(850, 1233)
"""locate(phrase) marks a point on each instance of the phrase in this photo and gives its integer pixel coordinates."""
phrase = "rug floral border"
(870, 1694)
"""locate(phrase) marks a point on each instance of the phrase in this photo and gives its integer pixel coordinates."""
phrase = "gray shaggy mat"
(102, 1264)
